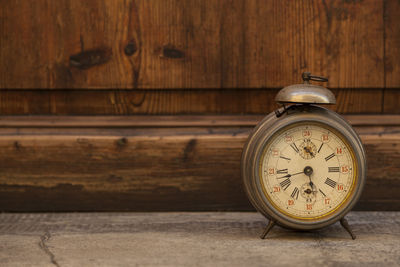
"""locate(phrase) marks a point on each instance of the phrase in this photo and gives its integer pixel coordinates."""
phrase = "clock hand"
(309, 151)
(314, 190)
(308, 171)
(289, 175)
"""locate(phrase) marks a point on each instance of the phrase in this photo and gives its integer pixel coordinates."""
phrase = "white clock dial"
(307, 171)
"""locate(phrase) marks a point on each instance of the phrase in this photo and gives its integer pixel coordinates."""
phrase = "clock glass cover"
(307, 171)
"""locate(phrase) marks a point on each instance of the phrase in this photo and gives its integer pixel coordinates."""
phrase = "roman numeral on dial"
(330, 182)
(330, 156)
(293, 145)
(282, 171)
(295, 193)
(285, 184)
(333, 169)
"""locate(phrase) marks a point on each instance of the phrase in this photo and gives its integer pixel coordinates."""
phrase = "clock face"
(308, 171)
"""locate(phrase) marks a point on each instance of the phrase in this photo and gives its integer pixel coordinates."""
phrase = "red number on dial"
(340, 187)
(345, 169)
(325, 138)
(289, 139)
(306, 133)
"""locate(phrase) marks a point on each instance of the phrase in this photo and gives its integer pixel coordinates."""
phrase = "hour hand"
(289, 175)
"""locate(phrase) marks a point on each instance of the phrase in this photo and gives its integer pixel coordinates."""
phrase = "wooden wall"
(145, 104)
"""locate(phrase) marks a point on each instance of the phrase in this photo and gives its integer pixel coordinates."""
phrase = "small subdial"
(309, 193)
(308, 150)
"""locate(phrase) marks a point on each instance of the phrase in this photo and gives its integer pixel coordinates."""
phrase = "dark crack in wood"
(43, 246)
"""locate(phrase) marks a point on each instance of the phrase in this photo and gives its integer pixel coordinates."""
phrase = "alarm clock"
(304, 166)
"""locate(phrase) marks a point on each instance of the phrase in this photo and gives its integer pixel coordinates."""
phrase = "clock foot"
(346, 226)
(267, 229)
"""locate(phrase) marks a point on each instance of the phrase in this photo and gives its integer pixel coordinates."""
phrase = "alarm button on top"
(306, 93)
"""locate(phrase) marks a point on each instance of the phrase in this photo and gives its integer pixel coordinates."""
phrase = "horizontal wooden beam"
(168, 121)
(160, 163)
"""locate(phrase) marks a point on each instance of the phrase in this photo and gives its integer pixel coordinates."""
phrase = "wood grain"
(162, 102)
(392, 51)
(392, 43)
(326, 37)
(102, 44)
(41, 42)
(62, 167)
(391, 101)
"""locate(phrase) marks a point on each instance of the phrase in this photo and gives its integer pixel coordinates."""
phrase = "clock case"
(284, 117)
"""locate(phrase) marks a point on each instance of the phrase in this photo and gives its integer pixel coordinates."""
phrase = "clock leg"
(267, 229)
(346, 226)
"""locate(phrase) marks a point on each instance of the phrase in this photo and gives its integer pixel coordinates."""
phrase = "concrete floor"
(192, 239)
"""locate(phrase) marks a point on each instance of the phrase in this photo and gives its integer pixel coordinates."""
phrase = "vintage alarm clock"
(304, 166)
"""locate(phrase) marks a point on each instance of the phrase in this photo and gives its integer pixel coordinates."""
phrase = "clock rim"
(271, 125)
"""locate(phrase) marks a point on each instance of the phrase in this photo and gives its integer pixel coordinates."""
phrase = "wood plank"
(325, 37)
(391, 97)
(192, 44)
(143, 169)
(392, 44)
(134, 102)
(67, 44)
(391, 101)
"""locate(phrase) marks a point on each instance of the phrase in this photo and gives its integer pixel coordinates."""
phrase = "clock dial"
(307, 171)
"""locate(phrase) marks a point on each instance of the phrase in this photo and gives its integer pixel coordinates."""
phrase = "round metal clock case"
(276, 206)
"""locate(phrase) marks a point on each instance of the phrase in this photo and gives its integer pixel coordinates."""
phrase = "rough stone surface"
(192, 239)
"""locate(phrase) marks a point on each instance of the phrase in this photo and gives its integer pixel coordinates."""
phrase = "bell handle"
(307, 77)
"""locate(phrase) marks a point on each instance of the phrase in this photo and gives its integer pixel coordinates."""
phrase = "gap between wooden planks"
(169, 121)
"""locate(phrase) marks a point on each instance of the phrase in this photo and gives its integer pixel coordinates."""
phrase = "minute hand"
(289, 175)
